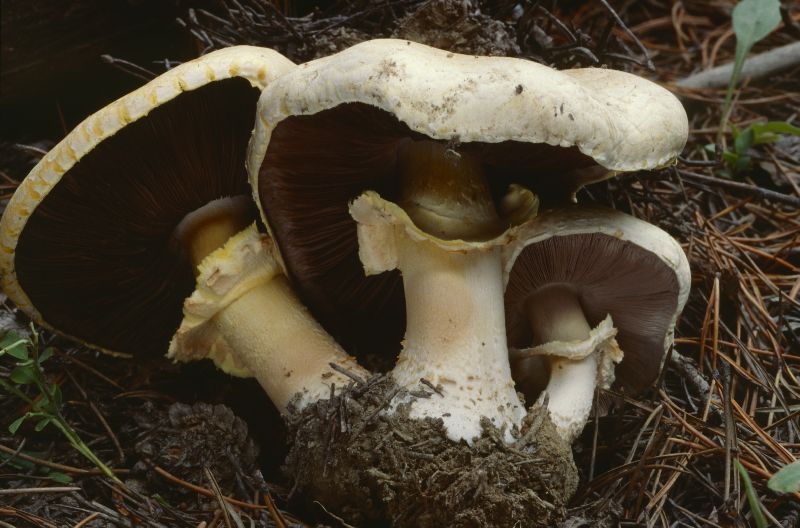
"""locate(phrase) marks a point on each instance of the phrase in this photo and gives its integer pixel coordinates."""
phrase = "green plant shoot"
(752, 21)
(737, 158)
(46, 408)
(752, 496)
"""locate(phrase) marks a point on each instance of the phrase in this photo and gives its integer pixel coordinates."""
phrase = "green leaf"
(19, 463)
(58, 398)
(9, 338)
(755, 134)
(161, 500)
(772, 131)
(766, 137)
(752, 21)
(41, 424)
(16, 462)
(44, 356)
(752, 497)
(17, 423)
(61, 478)
(42, 404)
(744, 140)
(731, 158)
(777, 127)
(23, 375)
(14, 345)
(787, 479)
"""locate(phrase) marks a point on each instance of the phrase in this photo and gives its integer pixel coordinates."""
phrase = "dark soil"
(192, 440)
(372, 468)
(458, 27)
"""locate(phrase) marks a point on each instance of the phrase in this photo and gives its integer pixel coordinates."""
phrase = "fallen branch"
(766, 194)
(37, 491)
(756, 67)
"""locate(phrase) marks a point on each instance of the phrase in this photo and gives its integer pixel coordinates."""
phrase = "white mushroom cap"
(255, 67)
(622, 121)
(618, 266)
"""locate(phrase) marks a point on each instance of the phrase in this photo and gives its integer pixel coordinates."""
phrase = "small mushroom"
(588, 288)
(103, 239)
(420, 145)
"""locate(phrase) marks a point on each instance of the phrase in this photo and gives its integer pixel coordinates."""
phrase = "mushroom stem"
(556, 315)
(455, 338)
(207, 228)
(244, 316)
(444, 242)
(212, 235)
(445, 194)
(280, 343)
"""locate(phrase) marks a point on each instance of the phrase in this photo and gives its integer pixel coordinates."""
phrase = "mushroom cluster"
(400, 189)
(418, 160)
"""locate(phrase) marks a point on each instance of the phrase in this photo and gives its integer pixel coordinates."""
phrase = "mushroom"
(587, 288)
(420, 145)
(102, 240)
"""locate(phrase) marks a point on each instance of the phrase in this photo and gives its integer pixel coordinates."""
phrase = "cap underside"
(315, 165)
(95, 257)
(610, 276)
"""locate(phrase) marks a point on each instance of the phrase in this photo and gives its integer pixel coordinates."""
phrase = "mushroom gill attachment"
(588, 288)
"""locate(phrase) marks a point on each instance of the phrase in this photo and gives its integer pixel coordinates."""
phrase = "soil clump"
(187, 439)
(373, 468)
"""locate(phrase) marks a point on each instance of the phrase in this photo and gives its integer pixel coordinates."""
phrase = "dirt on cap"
(374, 469)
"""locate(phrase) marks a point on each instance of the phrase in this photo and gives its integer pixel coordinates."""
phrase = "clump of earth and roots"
(192, 446)
(407, 470)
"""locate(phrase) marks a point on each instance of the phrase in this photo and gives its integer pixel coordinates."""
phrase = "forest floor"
(186, 440)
